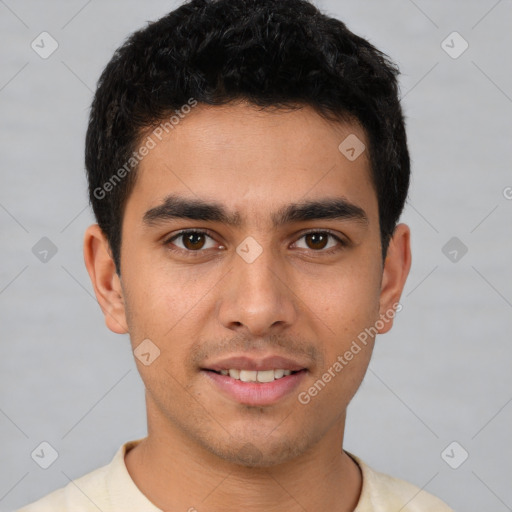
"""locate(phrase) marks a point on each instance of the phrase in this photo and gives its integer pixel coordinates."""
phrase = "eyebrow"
(177, 207)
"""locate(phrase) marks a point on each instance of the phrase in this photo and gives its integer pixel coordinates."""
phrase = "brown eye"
(193, 241)
(320, 241)
(317, 241)
(190, 241)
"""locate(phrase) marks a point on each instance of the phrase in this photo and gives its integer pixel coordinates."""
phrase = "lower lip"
(256, 393)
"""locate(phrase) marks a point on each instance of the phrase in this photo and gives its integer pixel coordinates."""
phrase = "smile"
(256, 388)
(256, 376)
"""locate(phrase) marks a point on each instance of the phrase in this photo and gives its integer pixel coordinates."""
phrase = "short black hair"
(271, 53)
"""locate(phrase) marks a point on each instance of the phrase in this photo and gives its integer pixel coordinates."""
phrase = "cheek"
(169, 307)
(164, 309)
(160, 295)
(345, 298)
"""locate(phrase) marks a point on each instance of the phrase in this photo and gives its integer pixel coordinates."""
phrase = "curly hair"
(272, 53)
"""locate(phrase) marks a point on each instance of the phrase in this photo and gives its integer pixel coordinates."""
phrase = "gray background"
(441, 375)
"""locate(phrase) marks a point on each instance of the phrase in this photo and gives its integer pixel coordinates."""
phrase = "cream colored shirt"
(111, 489)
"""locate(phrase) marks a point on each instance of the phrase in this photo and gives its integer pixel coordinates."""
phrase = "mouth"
(261, 376)
(255, 387)
(255, 378)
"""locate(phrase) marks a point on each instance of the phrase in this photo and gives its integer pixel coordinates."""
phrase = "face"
(279, 269)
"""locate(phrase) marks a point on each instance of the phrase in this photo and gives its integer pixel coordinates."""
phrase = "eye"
(321, 241)
(191, 241)
(195, 241)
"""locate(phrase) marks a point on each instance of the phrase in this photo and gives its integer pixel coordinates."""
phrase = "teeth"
(265, 376)
(248, 376)
(256, 376)
(235, 374)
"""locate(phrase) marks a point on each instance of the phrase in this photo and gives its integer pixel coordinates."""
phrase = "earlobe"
(396, 270)
(106, 282)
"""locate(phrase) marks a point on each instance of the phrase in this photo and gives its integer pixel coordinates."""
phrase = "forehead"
(253, 161)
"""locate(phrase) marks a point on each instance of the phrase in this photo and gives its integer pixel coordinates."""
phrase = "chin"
(261, 453)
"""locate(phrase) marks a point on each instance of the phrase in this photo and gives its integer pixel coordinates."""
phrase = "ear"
(106, 282)
(394, 275)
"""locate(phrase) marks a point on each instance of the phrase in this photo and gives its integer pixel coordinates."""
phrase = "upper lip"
(245, 362)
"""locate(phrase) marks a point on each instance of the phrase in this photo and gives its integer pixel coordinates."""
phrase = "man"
(247, 164)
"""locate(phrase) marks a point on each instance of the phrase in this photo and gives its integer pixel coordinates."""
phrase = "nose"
(257, 296)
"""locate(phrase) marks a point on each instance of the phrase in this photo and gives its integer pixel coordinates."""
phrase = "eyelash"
(168, 242)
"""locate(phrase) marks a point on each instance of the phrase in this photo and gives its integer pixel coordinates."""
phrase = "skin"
(203, 449)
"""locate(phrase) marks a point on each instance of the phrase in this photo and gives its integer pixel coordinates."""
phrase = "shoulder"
(79, 493)
(381, 492)
(108, 488)
(91, 492)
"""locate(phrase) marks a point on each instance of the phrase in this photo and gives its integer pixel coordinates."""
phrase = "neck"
(174, 473)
